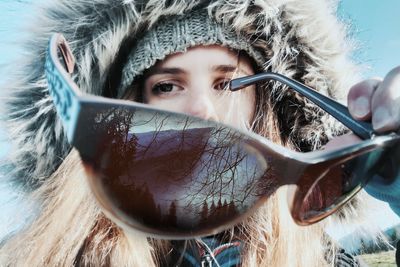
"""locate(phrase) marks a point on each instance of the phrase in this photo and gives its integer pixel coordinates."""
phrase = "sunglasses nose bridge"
(287, 166)
(289, 170)
(294, 171)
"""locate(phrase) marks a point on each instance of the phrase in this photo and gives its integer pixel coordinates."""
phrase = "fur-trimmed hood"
(301, 39)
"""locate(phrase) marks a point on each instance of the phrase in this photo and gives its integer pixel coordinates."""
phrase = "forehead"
(205, 57)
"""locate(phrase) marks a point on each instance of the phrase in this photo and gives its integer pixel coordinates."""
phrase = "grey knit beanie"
(176, 34)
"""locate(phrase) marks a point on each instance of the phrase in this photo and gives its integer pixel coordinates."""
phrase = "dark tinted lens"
(320, 195)
(175, 175)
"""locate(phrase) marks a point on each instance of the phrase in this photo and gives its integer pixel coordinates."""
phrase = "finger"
(359, 98)
(386, 103)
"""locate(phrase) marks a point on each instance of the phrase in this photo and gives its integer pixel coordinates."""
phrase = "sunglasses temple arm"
(363, 130)
(61, 87)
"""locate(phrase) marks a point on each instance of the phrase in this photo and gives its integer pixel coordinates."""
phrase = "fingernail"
(360, 107)
(381, 118)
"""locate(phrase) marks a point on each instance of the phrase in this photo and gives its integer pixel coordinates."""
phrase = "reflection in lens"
(171, 174)
(336, 185)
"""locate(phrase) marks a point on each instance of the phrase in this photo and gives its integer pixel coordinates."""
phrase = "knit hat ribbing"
(177, 34)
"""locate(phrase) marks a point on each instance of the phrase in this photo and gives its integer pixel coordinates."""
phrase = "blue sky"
(376, 24)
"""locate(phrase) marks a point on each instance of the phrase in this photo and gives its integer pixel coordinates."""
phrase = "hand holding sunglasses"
(176, 176)
(377, 100)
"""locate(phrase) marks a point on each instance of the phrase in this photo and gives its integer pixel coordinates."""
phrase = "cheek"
(246, 105)
(167, 104)
(249, 103)
(238, 109)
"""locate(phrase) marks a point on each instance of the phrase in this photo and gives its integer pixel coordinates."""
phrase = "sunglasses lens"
(319, 197)
(176, 176)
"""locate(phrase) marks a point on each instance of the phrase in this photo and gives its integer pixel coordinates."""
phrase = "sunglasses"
(176, 176)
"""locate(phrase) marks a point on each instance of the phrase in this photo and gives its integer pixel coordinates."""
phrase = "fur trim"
(297, 38)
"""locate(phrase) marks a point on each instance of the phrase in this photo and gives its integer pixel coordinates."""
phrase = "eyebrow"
(229, 68)
(177, 71)
(157, 71)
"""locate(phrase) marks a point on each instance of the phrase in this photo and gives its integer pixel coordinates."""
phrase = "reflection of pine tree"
(158, 213)
(217, 213)
(171, 219)
(204, 213)
(219, 209)
(231, 209)
(211, 212)
(148, 204)
(141, 205)
(225, 209)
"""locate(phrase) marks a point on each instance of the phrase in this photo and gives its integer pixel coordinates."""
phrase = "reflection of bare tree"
(176, 166)
(227, 171)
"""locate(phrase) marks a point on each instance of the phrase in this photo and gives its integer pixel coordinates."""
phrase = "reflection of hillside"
(170, 157)
(162, 142)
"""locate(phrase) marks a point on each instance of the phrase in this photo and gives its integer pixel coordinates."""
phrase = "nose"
(202, 106)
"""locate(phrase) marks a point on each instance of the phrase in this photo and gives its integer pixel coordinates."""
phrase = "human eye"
(164, 88)
(222, 85)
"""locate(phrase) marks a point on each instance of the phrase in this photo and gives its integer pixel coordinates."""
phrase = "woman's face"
(193, 83)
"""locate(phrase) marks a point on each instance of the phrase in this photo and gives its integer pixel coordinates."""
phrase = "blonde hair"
(71, 230)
